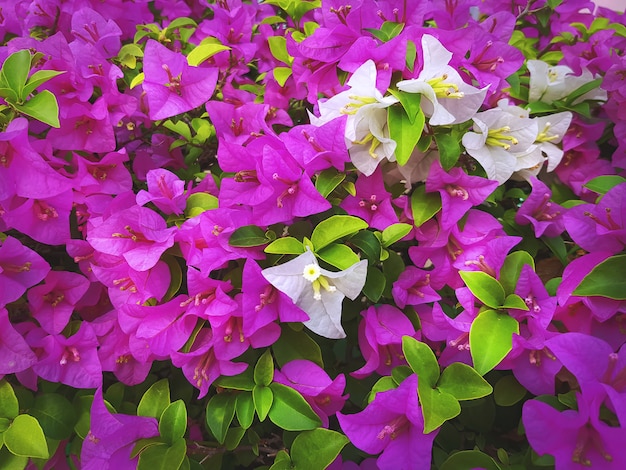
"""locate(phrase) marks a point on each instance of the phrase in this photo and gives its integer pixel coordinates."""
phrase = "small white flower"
(367, 133)
(551, 83)
(449, 100)
(317, 291)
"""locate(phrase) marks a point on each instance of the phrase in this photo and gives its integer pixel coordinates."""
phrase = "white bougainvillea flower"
(500, 136)
(367, 133)
(550, 83)
(317, 291)
(449, 100)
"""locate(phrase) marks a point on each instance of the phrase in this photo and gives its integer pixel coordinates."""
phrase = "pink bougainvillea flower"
(545, 216)
(20, 268)
(15, 355)
(165, 190)
(171, 84)
(392, 425)
(372, 202)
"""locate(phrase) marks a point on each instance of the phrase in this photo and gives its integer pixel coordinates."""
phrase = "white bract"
(317, 291)
(367, 133)
(550, 83)
(501, 136)
(449, 100)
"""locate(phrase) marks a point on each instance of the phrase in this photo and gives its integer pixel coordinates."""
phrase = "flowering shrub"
(312, 234)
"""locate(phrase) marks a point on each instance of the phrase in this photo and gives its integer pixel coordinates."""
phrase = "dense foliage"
(312, 234)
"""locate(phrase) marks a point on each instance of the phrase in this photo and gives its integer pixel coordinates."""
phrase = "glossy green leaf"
(404, 132)
(411, 102)
(367, 243)
(338, 255)
(142, 444)
(290, 411)
(296, 345)
(55, 414)
(437, 407)
(278, 48)
(205, 51)
(173, 422)
(334, 228)
(285, 246)
(155, 400)
(38, 78)
(422, 361)
(282, 74)
(603, 184)
(463, 382)
(512, 267)
(264, 369)
(602, 280)
(395, 232)
(9, 461)
(163, 457)
(26, 438)
(316, 448)
(233, 438)
(328, 180)
(449, 149)
(248, 235)
(244, 408)
(514, 301)
(197, 203)
(491, 339)
(9, 406)
(220, 412)
(82, 405)
(263, 399)
(243, 381)
(469, 460)
(374, 284)
(15, 71)
(508, 391)
(484, 287)
(424, 205)
(43, 107)
(581, 90)
(282, 461)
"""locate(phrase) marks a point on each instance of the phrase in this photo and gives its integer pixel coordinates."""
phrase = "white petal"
(351, 280)
(324, 314)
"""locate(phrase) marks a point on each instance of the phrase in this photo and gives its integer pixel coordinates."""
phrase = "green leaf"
(514, 301)
(468, 460)
(263, 399)
(55, 414)
(491, 339)
(463, 382)
(449, 149)
(437, 407)
(424, 205)
(411, 54)
(180, 127)
(233, 438)
(484, 287)
(82, 405)
(328, 180)
(367, 243)
(285, 246)
(278, 48)
(204, 52)
(9, 461)
(316, 449)
(197, 203)
(244, 408)
(26, 438)
(9, 406)
(281, 75)
(15, 71)
(334, 228)
(603, 184)
(264, 369)
(339, 256)
(163, 457)
(155, 400)
(581, 90)
(374, 284)
(508, 391)
(38, 78)
(248, 235)
(290, 411)
(512, 267)
(181, 22)
(404, 132)
(173, 422)
(282, 461)
(296, 345)
(142, 444)
(395, 232)
(422, 361)
(602, 280)
(243, 381)
(43, 107)
(220, 412)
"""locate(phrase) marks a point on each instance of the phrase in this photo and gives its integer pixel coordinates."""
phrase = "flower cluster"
(318, 222)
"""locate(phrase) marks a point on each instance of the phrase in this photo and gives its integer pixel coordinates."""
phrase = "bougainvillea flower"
(107, 175)
(15, 355)
(413, 288)
(576, 439)
(323, 394)
(317, 291)
(111, 437)
(545, 216)
(392, 425)
(380, 339)
(367, 134)
(171, 84)
(20, 268)
(165, 190)
(372, 202)
(449, 100)
(551, 83)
